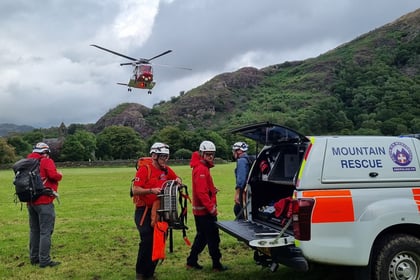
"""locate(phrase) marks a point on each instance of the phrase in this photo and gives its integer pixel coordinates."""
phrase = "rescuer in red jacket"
(204, 208)
(147, 185)
(41, 211)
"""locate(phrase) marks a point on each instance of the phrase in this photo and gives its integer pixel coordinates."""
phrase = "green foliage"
(172, 136)
(119, 142)
(80, 146)
(182, 154)
(33, 137)
(73, 128)
(7, 152)
(22, 148)
(72, 150)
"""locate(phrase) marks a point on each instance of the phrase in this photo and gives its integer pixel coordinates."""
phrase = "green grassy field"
(95, 236)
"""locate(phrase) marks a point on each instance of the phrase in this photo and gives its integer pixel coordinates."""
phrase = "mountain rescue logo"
(401, 154)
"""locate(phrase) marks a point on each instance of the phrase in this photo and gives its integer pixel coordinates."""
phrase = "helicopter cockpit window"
(145, 68)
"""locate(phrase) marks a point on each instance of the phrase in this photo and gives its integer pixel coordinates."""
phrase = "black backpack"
(250, 159)
(28, 183)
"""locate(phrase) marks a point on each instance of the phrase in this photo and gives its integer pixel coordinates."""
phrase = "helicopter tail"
(124, 84)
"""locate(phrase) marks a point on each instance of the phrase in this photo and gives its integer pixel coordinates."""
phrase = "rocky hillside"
(370, 85)
(127, 114)
(363, 84)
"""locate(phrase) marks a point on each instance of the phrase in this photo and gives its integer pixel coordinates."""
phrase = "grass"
(95, 236)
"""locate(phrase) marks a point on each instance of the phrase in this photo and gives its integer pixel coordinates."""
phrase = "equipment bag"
(160, 234)
(28, 183)
(284, 210)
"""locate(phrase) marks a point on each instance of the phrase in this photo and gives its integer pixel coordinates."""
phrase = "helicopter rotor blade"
(116, 53)
(171, 66)
(159, 55)
(128, 63)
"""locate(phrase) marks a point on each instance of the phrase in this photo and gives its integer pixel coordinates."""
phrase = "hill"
(370, 85)
(6, 128)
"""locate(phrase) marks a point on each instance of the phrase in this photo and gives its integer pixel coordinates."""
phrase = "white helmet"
(159, 148)
(240, 146)
(207, 146)
(41, 148)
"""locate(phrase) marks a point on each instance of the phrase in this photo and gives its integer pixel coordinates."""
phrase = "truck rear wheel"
(397, 258)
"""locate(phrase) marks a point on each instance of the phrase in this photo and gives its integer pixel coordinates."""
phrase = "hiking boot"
(34, 262)
(194, 266)
(50, 264)
(219, 267)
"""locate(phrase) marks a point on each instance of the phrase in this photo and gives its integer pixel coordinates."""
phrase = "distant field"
(95, 236)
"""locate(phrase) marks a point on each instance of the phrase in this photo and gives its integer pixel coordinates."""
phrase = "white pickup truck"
(338, 200)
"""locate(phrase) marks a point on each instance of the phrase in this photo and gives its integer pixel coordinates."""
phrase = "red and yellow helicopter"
(142, 76)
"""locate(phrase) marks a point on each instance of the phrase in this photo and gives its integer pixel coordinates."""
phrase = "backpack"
(250, 159)
(143, 161)
(174, 199)
(28, 183)
(172, 208)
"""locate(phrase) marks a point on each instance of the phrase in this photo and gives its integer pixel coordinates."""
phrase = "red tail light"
(302, 213)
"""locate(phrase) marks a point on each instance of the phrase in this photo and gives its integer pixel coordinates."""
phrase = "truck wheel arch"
(396, 256)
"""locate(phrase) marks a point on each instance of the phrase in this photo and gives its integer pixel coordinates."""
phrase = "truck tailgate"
(283, 251)
(247, 231)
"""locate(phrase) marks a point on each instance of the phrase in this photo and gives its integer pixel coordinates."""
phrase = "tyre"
(397, 258)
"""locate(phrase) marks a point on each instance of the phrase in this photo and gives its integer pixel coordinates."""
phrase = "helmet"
(207, 146)
(159, 148)
(41, 148)
(240, 146)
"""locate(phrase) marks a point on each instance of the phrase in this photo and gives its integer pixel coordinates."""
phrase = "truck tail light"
(302, 212)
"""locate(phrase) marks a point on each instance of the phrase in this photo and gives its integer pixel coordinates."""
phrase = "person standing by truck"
(204, 208)
(239, 151)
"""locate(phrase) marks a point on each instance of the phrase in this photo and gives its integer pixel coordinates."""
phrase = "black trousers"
(144, 265)
(207, 234)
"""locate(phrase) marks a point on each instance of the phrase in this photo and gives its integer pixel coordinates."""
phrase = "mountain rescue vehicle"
(336, 200)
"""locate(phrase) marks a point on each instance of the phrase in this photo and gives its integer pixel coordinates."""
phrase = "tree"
(75, 127)
(119, 142)
(182, 154)
(22, 148)
(172, 136)
(33, 137)
(7, 152)
(79, 146)
(72, 150)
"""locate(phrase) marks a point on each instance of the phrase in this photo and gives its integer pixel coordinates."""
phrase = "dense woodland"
(369, 86)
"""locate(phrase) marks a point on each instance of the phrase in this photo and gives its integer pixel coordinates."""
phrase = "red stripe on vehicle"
(416, 195)
(331, 206)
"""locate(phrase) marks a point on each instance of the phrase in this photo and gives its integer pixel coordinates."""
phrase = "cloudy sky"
(50, 74)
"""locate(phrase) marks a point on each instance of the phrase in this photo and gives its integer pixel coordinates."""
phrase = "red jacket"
(49, 175)
(204, 192)
(156, 180)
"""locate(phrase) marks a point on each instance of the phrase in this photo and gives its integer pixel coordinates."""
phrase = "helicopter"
(142, 77)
